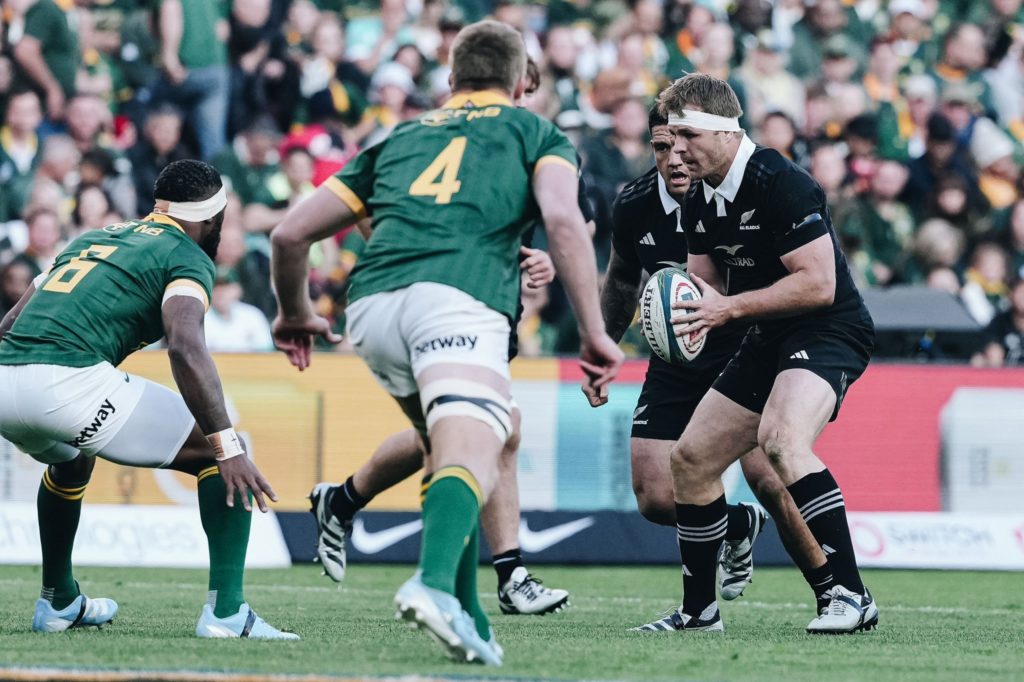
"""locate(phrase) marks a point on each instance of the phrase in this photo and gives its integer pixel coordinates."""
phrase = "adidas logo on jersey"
(700, 227)
(648, 239)
(800, 355)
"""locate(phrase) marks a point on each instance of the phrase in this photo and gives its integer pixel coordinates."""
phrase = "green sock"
(451, 512)
(59, 508)
(465, 586)
(227, 534)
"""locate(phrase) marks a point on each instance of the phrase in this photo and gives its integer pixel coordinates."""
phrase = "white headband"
(194, 211)
(704, 121)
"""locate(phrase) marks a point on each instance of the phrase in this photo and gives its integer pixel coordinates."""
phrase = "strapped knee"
(460, 398)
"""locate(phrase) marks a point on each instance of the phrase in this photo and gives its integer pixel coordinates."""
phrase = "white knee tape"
(461, 398)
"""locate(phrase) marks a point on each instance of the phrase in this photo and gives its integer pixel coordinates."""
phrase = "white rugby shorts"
(53, 413)
(400, 333)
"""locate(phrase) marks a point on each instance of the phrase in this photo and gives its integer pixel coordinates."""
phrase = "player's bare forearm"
(555, 188)
(317, 217)
(811, 284)
(290, 271)
(619, 296)
(573, 253)
(793, 294)
(191, 364)
(197, 380)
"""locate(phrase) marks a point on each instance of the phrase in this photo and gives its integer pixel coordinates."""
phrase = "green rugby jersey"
(101, 300)
(450, 194)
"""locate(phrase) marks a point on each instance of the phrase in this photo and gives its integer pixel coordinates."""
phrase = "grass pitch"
(934, 626)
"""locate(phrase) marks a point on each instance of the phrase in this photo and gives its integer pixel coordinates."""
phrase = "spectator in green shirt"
(878, 225)
(47, 54)
(195, 70)
(963, 58)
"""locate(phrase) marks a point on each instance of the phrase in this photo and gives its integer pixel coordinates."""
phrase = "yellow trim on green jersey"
(163, 220)
(343, 192)
(478, 98)
(104, 298)
(551, 158)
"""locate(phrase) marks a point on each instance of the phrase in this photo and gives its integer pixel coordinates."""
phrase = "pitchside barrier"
(911, 441)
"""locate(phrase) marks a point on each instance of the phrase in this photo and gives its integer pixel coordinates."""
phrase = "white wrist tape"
(194, 211)
(226, 444)
(701, 120)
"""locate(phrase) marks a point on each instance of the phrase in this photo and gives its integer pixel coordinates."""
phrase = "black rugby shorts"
(837, 350)
(668, 398)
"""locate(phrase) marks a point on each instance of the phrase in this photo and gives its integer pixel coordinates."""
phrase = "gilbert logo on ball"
(663, 289)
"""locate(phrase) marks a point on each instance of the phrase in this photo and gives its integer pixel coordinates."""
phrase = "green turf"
(934, 626)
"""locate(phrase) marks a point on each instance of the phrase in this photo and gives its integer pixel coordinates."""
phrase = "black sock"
(700, 530)
(739, 523)
(820, 579)
(505, 563)
(345, 501)
(820, 502)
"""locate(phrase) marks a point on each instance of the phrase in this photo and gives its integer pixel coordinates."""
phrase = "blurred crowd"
(909, 113)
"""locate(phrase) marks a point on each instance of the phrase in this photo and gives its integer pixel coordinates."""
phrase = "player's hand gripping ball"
(663, 289)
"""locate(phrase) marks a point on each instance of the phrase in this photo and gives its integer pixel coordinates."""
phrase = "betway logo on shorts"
(446, 342)
(106, 409)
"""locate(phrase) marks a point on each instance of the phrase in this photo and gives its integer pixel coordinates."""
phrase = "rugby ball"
(665, 287)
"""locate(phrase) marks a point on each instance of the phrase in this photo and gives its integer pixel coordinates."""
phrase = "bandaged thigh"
(463, 398)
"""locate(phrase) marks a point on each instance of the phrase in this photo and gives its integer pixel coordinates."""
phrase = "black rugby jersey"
(648, 234)
(647, 231)
(764, 210)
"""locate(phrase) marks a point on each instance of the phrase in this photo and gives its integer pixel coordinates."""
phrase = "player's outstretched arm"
(197, 379)
(618, 306)
(12, 315)
(555, 187)
(317, 217)
(619, 295)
